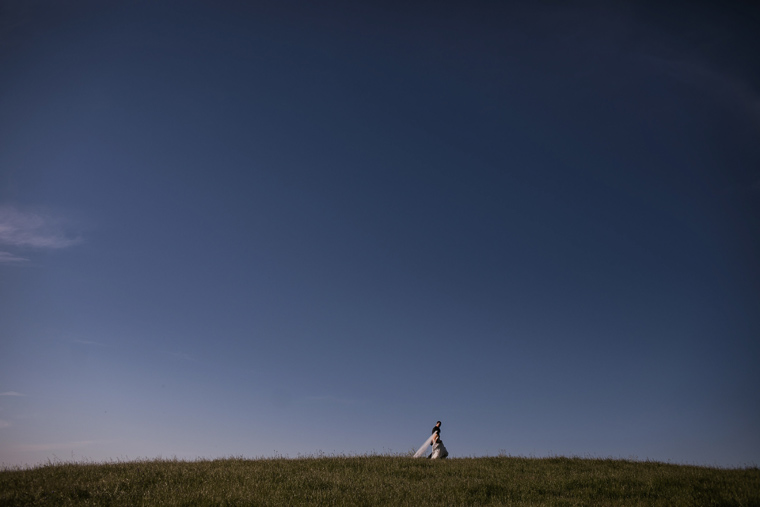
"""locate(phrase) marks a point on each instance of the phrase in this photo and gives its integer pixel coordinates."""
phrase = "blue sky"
(285, 228)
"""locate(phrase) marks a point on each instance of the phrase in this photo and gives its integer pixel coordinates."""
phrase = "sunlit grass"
(379, 480)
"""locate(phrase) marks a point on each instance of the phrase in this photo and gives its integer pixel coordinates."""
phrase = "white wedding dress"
(439, 451)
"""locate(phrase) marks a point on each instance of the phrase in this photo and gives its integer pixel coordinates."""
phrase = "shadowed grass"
(380, 480)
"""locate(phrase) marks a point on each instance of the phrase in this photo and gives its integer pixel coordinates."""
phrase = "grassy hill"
(380, 480)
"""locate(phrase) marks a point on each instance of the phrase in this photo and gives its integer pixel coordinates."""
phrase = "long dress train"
(421, 451)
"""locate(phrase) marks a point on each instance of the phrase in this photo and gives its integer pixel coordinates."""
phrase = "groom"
(437, 429)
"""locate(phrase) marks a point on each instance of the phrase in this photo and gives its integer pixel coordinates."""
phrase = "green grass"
(380, 480)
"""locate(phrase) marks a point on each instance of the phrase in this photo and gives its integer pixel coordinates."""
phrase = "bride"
(439, 451)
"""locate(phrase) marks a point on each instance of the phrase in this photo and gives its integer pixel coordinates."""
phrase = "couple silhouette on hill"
(439, 450)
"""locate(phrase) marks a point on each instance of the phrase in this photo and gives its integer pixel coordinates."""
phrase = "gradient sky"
(250, 229)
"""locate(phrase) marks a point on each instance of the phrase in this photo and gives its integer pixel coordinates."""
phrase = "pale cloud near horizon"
(23, 229)
(11, 393)
(64, 446)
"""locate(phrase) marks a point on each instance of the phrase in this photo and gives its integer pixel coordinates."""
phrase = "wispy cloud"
(4, 424)
(11, 393)
(331, 399)
(9, 257)
(179, 356)
(22, 229)
(88, 342)
(701, 73)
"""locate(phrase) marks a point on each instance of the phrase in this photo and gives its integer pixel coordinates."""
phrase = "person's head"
(438, 424)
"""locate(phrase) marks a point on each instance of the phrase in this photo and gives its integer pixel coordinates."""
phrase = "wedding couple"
(439, 451)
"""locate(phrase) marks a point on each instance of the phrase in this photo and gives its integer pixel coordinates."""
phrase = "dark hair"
(437, 423)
